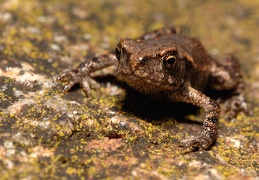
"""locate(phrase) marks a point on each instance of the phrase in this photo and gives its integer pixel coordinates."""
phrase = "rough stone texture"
(116, 133)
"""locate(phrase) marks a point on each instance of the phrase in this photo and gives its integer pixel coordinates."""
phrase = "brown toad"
(167, 65)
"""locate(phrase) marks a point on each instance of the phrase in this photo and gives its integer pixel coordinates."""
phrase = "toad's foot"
(81, 75)
(235, 105)
(201, 142)
(237, 102)
(77, 77)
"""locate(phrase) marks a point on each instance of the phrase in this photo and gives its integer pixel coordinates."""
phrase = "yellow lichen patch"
(71, 171)
(227, 171)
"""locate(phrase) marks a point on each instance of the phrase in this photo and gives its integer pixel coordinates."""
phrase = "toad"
(166, 65)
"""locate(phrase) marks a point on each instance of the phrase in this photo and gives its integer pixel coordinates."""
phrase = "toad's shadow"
(152, 110)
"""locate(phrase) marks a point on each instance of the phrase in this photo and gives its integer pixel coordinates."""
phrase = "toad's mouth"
(147, 84)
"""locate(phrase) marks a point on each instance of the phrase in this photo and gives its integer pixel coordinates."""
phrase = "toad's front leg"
(210, 125)
(81, 74)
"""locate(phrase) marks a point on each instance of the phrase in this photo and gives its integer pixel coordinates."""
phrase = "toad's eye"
(169, 60)
(118, 53)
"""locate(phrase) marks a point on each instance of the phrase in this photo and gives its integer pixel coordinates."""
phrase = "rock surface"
(116, 133)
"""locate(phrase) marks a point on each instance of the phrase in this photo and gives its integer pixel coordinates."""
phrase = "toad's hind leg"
(228, 77)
